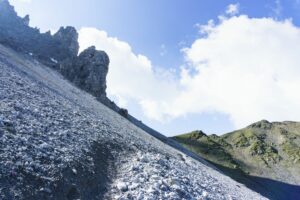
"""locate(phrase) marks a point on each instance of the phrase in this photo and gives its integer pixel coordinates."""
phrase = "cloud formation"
(131, 76)
(247, 68)
(278, 8)
(232, 9)
(24, 1)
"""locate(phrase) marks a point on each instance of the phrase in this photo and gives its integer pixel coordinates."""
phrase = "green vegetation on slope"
(209, 147)
(263, 149)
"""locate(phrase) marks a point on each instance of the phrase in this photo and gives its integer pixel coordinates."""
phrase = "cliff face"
(17, 34)
(87, 71)
(68, 40)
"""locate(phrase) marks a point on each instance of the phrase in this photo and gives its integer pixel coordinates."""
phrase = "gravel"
(58, 142)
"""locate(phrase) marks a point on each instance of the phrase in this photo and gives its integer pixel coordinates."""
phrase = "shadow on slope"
(169, 141)
(89, 183)
(76, 181)
(269, 188)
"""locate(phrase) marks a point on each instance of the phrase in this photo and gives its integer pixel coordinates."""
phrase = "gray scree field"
(59, 142)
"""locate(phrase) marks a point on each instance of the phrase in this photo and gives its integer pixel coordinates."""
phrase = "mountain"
(263, 150)
(62, 138)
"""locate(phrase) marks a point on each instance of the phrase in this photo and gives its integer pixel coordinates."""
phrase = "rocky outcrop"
(16, 33)
(88, 71)
(68, 39)
(263, 124)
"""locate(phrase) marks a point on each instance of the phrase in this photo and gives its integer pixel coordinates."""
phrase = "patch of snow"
(53, 60)
(74, 171)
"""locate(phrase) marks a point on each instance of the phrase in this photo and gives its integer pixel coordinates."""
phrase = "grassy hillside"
(263, 149)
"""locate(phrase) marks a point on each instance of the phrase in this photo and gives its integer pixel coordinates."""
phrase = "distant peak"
(66, 30)
(69, 37)
(265, 121)
(197, 134)
(264, 124)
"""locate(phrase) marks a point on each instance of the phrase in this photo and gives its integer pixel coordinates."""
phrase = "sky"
(190, 65)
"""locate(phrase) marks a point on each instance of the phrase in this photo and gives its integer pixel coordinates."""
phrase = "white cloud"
(163, 50)
(205, 29)
(232, 9)
(247, 68)
(278, 8)
(131, 76)
(24, 1)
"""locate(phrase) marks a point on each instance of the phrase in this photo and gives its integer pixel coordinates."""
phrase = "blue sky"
(147, 25)
(168, 52)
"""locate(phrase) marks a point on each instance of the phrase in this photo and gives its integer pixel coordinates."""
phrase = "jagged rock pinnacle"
(88, 71)
(69, 38)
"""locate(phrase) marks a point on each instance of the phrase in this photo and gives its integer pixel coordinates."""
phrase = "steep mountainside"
(263, 149)
(87, 70)
(59, 139)
(58, 142)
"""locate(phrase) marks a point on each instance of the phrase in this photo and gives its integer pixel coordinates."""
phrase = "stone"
(204, 193)
(123, 112)
(74, 171)
(122, 186)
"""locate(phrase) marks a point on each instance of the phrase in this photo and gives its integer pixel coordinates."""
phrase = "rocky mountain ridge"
(59, 142)
(87, 70)
(16, 33)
